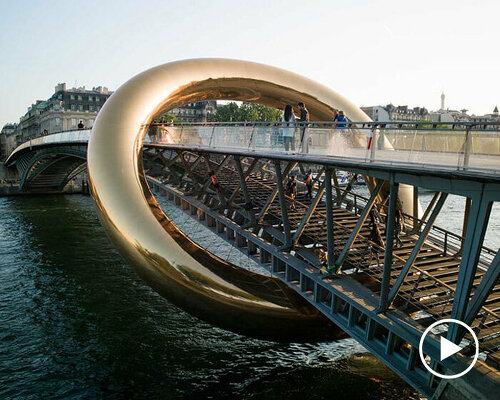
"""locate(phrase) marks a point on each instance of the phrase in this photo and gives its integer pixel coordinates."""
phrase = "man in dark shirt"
(80, 125)
(304, 117)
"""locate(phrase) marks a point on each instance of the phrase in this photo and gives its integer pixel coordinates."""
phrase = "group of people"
(291, 187)
(290, 120)
(340, 119)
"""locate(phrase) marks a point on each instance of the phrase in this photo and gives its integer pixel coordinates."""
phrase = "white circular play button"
(448, 348)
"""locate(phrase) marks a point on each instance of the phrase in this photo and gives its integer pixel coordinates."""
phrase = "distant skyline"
(372, 52)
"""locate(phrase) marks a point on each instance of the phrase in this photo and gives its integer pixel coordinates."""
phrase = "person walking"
(308, 180)
(304, 117)
(291, 190)
(288, 120)
(399, 227)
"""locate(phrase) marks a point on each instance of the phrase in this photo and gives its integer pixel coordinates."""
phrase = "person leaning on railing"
(341, 120)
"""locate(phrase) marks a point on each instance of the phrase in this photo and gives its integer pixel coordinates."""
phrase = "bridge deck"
(429, 288)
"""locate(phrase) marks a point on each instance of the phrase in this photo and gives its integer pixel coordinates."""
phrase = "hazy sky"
(373, 52)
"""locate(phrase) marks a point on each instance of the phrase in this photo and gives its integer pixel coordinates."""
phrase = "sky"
(372, 52)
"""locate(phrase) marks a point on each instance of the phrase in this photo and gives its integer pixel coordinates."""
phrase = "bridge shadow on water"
(76, 322)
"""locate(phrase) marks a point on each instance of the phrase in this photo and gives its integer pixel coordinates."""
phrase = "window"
(73, 122)
(80, 107)
(91, 108)
(91, 98)
(73, 107)
(58, 121)
(97, 99)
(72, 97)
(79, 97)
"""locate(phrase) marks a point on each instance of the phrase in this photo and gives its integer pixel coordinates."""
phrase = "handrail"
(435, 148)
(392, 125)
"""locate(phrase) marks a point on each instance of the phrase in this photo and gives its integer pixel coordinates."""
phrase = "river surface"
(76, 322)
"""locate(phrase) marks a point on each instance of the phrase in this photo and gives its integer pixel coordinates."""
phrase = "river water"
(76, 322)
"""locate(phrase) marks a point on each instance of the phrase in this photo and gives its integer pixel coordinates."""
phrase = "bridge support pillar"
(243, 185)
(474, 237)
(481, 293)
(220, 227)
(284, 212)
(330, 243)
(389, 244)
(210, 221)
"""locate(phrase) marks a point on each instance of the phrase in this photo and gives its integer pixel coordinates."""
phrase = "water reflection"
(75, 321)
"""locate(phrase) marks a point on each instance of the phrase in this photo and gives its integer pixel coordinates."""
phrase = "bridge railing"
(73, 136)
(457, 147)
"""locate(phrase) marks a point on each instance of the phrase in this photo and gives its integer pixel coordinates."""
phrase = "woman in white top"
(289, 128)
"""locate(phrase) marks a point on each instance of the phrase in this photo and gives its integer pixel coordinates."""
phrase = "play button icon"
(447, 348)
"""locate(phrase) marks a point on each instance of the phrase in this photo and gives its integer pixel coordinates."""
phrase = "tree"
(227, 112)
(166, 118)
(246, 112)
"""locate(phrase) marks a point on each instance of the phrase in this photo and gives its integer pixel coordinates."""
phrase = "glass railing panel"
(427, 147)
(264, 138)
(337, 142)
(234, 137)
(420, 146)
(195, 135)
(482, 151)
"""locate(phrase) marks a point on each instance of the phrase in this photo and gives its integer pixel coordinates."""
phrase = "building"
(7, 140)
(201, 111)
(391, 113)
(460, 116)
(449, 116)
(446, 115)
(62, 111)
(494, 117)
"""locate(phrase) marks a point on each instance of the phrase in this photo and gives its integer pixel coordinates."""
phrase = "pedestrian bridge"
(379, 293)
(48, 163)
(383, 290)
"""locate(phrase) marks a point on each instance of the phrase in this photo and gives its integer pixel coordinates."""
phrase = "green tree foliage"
(246, 112)
(166, 118)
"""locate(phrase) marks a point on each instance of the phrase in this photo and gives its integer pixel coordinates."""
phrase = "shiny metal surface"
(175, 266)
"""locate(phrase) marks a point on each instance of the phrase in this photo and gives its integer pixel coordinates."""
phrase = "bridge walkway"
(427, 292)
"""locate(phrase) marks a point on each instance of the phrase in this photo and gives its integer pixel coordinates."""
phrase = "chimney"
(60, 87)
